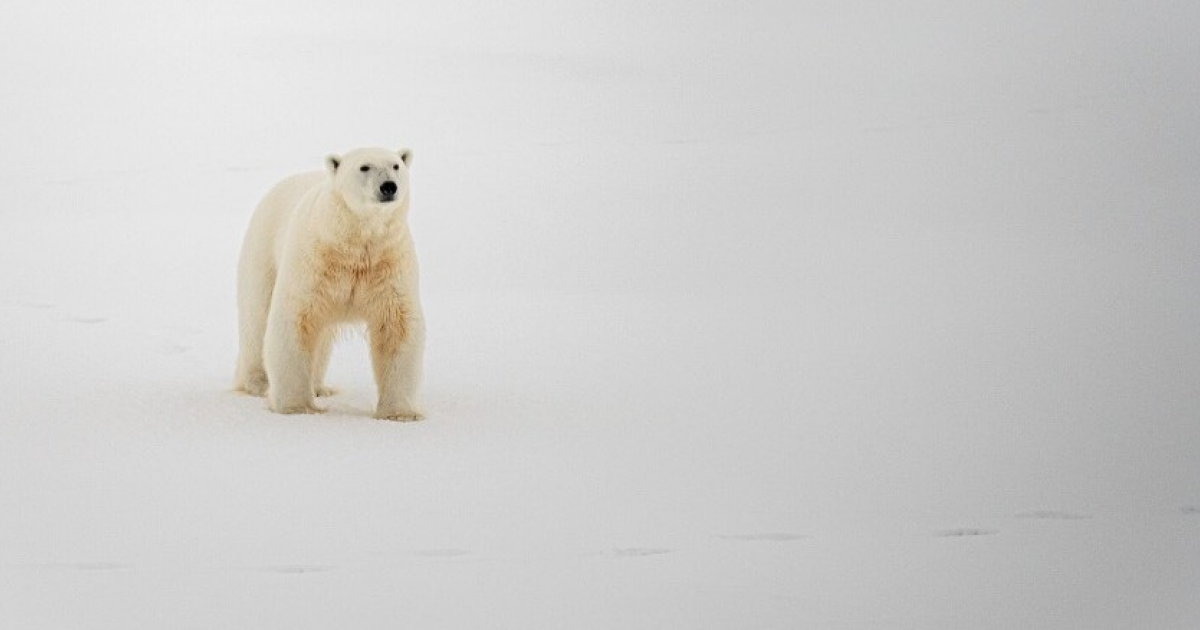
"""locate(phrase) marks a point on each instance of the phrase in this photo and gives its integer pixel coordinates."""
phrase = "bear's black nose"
(388, 188)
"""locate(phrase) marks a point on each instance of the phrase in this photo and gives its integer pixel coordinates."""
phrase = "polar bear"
(325, 249)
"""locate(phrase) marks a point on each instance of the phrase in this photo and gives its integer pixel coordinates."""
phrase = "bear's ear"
(406, 157)
(332, 162)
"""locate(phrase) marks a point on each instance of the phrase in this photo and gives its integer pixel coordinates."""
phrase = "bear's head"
(371, 179)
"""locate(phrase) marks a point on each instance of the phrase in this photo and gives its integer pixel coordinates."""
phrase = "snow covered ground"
(742, 315)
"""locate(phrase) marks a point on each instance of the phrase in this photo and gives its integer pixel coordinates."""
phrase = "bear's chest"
(354, 274)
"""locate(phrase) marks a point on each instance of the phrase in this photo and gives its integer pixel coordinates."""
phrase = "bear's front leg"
(397, 346)
(288, 359)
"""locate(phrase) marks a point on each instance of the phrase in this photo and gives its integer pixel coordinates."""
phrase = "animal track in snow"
(964, 532)
(87, 319)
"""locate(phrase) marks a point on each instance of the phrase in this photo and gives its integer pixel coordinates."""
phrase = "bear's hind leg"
(254, 304)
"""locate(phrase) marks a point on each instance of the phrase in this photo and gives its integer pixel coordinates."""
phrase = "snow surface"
(742, 315)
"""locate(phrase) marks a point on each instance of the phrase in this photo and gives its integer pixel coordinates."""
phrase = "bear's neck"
(369, 229)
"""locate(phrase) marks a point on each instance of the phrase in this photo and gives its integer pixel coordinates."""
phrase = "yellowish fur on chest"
(356, 281)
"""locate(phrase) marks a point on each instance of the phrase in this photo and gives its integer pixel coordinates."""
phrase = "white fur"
(324, 249)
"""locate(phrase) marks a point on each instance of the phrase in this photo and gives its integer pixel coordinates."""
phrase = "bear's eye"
(364, 168)
(395, 167)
